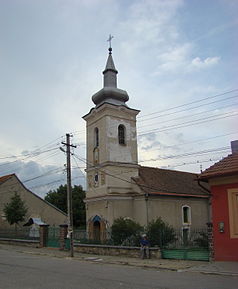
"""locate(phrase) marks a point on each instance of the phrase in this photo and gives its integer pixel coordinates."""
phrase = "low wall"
(20, 242)
(114, 250)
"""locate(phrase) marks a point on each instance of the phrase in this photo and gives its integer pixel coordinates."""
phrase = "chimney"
(234, 146)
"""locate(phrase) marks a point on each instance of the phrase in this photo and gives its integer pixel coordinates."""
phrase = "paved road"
(24, 271)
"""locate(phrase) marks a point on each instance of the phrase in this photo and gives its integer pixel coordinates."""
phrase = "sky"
(177, 59)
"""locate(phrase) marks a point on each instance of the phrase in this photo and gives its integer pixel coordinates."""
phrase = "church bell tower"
(111, 155)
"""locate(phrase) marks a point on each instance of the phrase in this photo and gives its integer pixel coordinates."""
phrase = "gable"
(12, 183)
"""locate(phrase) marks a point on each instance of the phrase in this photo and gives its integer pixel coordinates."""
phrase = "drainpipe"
(210, 199)
(147, 213)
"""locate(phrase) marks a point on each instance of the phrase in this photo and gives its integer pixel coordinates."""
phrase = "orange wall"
(225, 248)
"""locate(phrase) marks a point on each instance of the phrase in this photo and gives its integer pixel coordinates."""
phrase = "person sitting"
(144, 243)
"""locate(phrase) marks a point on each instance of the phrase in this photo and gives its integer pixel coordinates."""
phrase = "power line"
(190, 115)
(222, 149)
(29, 155)
(125, 180)
(191, 142)
(188, 123)
(56, 170)
(189, 103)
(186, 109)
(194, 162)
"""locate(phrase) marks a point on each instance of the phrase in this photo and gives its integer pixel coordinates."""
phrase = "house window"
(121, 134)
(96, 137)
(186, 214)
(233, 212)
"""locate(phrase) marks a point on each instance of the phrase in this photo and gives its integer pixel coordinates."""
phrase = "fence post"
(63, 236)
(210, 241)
(43, 235)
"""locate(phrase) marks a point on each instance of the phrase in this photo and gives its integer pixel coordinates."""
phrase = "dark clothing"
(144, 242)
(145, 252)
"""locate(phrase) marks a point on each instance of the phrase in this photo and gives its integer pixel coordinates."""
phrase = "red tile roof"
(168, 182)
(226, 167)
(5, 178)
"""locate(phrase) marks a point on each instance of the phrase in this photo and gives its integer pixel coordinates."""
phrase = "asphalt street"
(19, 270)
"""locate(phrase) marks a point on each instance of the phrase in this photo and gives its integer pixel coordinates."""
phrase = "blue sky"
(168, 54)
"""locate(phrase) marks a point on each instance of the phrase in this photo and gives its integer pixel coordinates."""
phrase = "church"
(117, 186)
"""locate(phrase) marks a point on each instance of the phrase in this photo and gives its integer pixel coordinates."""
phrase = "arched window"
(186, 214)
(96, 180)
(96, 137)
(121, 134)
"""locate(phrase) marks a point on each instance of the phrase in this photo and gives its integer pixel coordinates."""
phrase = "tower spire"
(110, 72)
(110, 43)
(110, 93)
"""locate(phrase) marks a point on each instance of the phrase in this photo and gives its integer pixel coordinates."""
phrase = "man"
(144, 243)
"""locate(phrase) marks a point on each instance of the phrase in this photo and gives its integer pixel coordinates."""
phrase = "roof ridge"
(170, 170)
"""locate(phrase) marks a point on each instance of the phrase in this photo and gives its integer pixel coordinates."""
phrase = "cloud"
(174, 58)
(209, 61)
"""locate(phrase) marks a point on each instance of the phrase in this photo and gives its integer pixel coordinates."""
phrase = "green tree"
(58, 198)
(160, 233)
(15, 211)
(126, 231)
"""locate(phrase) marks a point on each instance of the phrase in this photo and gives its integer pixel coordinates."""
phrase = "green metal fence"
(53, 239)
(187, 245)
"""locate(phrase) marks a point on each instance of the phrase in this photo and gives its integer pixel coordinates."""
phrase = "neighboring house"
(117, 186)
(36, 207)
(223, 181)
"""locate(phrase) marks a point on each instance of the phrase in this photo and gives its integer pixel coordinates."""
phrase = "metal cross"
(110, 40)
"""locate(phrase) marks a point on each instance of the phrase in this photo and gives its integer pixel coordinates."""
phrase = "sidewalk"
(218, 268)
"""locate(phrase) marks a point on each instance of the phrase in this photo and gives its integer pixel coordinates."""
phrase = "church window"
(121, 134)
(96, 179)
(96, 137)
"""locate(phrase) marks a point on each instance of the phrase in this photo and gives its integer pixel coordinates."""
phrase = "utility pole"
(69, 194)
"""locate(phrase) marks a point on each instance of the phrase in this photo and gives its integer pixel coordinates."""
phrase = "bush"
(126, 231)
(160, 233)
(202, 240)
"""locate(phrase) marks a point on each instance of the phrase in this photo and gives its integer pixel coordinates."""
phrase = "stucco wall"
(170, 210)
(110, 209)
(37, 207)
(225, 247)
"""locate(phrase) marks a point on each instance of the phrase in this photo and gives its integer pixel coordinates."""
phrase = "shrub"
(126, 231)
(202, 240)
(160, 233)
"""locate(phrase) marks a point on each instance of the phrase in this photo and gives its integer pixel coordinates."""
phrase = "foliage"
(202, 240)
(125, 229)
(160, 233)
(16, 210)
(58, 198)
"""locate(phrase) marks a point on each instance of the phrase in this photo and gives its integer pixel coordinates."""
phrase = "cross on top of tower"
(110, 43)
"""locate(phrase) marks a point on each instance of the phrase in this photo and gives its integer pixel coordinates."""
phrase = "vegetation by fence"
(176, 238)
(24, 233)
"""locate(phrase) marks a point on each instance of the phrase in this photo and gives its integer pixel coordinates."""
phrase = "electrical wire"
(189, 103)
(188, 123)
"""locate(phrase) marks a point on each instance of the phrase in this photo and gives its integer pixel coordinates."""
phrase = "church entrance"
(96, 231)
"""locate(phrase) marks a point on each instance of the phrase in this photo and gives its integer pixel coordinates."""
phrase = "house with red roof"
(222, 178)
